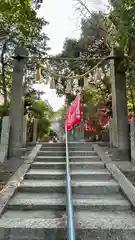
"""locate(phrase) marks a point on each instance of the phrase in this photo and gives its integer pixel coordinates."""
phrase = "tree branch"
(83, 4)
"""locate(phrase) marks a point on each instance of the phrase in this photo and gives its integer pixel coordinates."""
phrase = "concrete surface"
(8, 191)
(126, 186)
(34, 201)
(73, 165)
(75, 174)
(38, 209)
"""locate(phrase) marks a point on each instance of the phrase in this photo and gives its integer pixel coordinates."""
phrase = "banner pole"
(70, 219)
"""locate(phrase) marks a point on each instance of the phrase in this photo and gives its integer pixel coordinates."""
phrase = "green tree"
(122, 21)
(41, 111)
(91, 45)
(36, 108)
(59, 116)
(20, 25)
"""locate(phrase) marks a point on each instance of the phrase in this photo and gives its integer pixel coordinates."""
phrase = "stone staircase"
(37, 211)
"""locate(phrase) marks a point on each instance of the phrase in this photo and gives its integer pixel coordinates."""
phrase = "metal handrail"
(70, 220)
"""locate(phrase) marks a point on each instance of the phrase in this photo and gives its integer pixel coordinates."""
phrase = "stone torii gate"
(120, 128)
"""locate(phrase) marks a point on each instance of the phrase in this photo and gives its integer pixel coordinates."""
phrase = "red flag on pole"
(73, 114)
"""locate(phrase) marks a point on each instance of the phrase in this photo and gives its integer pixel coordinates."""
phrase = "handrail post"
(70, 220)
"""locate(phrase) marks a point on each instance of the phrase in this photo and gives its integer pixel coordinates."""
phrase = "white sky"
(64, 22)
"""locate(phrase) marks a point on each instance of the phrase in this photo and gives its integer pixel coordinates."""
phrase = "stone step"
(48, 148)
(49, 165)
(52, 153)
(27, 201)
(77, 144)
(46, 214)
(32, 225)
(114, 196)
(62, 145)
(63, 158)
(75, 174)
(82, 153)
(81, 145)
(18, 225)
(83, 148)
(84, 159)
(73, 165)
(63, 153)
(50, 159)
(78, 187)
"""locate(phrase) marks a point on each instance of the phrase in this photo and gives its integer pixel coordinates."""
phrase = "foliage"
(122, 18)
(92, 99)
(41, 111)
(20, 25)
(93, 46)
(60, 113)
(43, 128)
(99, 33)
(59, 116)
(36, 108)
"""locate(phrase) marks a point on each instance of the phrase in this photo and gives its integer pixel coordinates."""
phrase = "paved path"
(37, 210)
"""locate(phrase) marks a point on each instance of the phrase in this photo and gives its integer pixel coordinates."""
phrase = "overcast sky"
(64, 21)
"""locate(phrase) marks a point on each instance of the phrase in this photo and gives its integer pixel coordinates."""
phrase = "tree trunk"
(132, 98)
(3, 78)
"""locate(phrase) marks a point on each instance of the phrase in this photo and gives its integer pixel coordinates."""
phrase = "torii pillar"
(119, 102)
(17, 103)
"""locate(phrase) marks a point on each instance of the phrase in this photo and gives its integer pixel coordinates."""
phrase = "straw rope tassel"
(68, 87)
(98, 75)
(85, 82)
(52, 83)
(38, 74)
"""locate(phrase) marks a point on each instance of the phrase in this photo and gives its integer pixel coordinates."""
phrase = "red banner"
(74, 114)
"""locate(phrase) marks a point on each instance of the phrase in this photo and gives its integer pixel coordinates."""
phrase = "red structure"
(90, 125)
